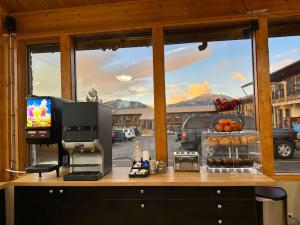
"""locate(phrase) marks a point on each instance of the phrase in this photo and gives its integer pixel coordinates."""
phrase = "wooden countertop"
(119, 177)
(3, 185)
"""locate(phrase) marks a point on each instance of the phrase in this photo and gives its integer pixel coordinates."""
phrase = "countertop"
(119, 177)
(3, 185)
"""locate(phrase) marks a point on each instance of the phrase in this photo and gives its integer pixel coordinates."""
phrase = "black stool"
(273, 194)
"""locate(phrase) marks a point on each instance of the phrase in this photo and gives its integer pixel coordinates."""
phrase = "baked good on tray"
(212, 141)
(251, 139)
(243, 140)
(224, 141)
(235, 140)
(227, 162)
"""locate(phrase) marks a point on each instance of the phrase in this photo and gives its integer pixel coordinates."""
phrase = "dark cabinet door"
(78, 206)
(134, 211)
(35, 206)
(2, 207)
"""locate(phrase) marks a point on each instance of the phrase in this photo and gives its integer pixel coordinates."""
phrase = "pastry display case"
(231, 152)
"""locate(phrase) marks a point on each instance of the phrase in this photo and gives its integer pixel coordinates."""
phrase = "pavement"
(126, 149)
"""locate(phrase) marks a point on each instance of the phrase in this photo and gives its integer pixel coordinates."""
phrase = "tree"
(93, 96)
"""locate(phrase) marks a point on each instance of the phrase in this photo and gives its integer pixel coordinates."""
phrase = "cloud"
(105, 71)
(183, 57)
(239, 76)
(178, 93)
(278, 65)
(124, 78)
(288, 54)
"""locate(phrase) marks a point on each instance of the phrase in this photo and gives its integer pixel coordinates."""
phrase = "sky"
(127, 73)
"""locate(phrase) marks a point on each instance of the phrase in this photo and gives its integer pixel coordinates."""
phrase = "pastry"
(248, 162)
(212, 141)
(243, 140)
(210, 162)
(224, 141)
(219, 127)
(217, 162)
(235, 140)
(227, 128)
(223, 121)
(233, 126)
(238, 162)
(251, 139)
(227, 162)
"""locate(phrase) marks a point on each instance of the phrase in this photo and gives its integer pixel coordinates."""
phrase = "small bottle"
(161, 168)
(137, 151)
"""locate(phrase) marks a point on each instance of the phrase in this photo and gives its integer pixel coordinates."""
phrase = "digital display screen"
(39, 112)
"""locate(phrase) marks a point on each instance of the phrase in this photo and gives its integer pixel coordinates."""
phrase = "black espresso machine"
(87, 137)
(44, 127)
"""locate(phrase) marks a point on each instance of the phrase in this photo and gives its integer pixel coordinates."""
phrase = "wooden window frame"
(261, 67)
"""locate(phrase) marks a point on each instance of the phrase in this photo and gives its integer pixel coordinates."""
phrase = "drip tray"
(83, 176)
(41, 168)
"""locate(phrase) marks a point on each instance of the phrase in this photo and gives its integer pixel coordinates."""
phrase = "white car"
(129, 133)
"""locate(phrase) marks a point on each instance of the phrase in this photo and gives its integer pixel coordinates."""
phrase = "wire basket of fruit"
(224, 104)
(228, 123)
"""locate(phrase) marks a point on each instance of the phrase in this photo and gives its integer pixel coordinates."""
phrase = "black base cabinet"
(2, 207)
(135, 205)
(56, 206)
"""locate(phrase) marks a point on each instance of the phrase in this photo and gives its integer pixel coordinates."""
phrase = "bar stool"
(270, 194)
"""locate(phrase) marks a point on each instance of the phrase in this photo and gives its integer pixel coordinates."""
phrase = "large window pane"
(285, 75)
(194, 79)
(44, 80)
(45, 70)
(120, 77)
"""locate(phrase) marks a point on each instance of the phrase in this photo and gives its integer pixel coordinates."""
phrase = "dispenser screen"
(39, 112)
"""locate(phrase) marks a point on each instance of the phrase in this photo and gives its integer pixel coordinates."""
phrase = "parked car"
(118, 136)
(178, 136)
(129, 133)
(136, 131)
(284, 143)
(283, 139)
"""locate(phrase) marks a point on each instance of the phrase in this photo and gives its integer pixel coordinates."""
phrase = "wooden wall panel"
(4, 126)
(68, 85)
(20, 109)
(141, 14)
(263, 95)
(161, 146)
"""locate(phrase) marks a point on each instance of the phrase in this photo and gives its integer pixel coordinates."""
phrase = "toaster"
(186, 161)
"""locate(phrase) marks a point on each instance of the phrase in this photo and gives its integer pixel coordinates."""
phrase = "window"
(195, 78)
(44, 70)
(44, 80)
(116, 70)
(284, 56)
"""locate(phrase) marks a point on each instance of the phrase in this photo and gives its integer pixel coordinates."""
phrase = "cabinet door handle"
(61, 191)
(142, 191)
(218, 192)
(142, 206)
(220, 206)
(51, 191)
(220, 221)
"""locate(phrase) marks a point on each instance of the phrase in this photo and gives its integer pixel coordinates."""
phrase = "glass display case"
(231, 152)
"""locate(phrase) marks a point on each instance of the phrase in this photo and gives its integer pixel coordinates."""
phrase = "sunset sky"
(127, 73)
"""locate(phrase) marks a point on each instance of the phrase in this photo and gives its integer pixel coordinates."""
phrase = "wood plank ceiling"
(16, 6)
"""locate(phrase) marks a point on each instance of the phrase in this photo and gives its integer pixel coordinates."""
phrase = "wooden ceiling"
(16, 6)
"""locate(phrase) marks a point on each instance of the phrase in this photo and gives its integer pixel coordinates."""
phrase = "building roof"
(286, 72)
(148, 113)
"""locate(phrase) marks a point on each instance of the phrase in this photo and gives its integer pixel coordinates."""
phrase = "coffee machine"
(87, 137)
(44, 127)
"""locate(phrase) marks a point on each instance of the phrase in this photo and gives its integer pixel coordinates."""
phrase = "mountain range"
(206, 99)
(125, 104)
